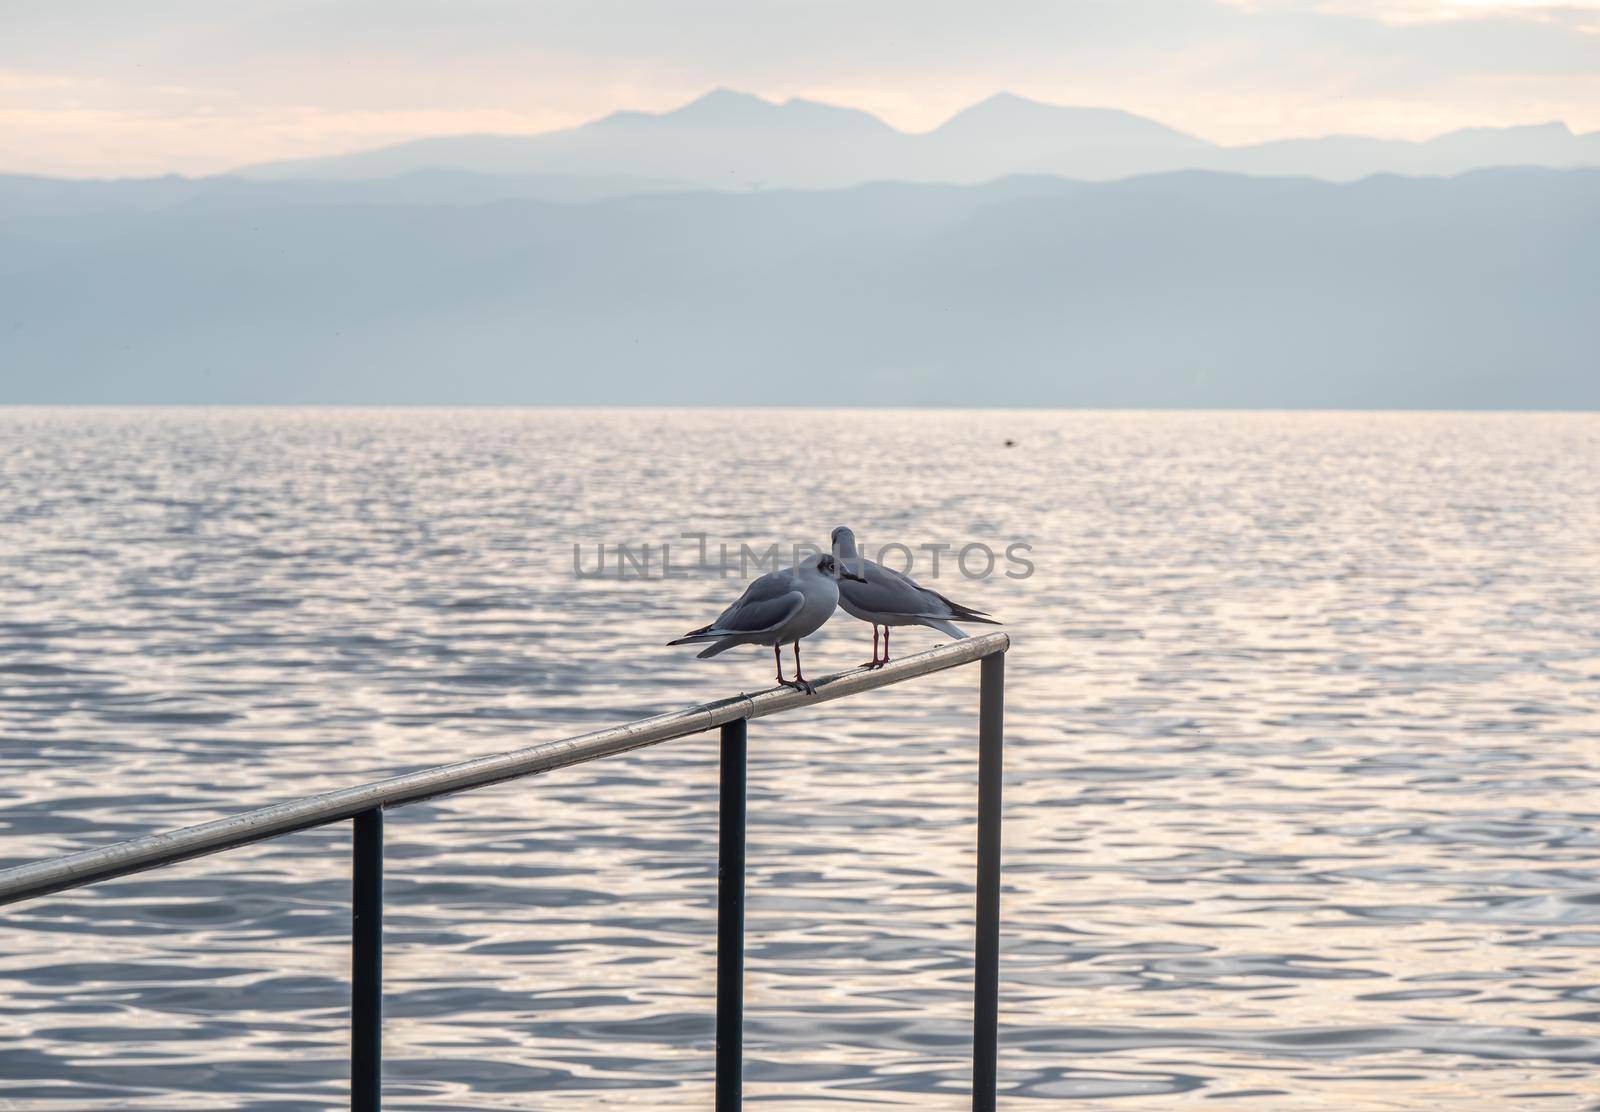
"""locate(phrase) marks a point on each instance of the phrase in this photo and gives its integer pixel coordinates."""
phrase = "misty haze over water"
(1189, 290)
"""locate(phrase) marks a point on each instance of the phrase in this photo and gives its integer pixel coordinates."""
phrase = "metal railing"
(366, 803)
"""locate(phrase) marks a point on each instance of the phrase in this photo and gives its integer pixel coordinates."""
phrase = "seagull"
(778, 609)
(887, 598)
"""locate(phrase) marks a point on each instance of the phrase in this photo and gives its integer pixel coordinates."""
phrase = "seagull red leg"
(874, 662)
(800, 682)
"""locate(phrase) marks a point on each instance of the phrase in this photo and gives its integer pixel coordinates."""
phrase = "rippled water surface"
(1302, 805)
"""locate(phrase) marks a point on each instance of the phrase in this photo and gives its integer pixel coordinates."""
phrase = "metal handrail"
(365, 804)
(57, 874)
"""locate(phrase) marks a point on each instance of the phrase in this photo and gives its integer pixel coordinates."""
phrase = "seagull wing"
(768, 603)
(763, 607)
(887, 591)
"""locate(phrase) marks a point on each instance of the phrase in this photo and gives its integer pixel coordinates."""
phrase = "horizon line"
(534, 407)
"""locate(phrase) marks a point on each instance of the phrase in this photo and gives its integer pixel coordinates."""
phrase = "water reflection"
(1301, 809)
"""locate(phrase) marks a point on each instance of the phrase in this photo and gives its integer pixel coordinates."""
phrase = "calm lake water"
(1302, 803)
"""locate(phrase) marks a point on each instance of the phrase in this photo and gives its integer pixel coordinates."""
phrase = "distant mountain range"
(738, 251)
(734, 141)
(1182, 289)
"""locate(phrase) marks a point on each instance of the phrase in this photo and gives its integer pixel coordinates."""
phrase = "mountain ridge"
(727, 139)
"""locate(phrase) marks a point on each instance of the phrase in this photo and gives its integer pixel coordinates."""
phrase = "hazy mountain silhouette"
(1189, 289)
(22, 195)
(724, 140)
(1344, 158)
(729, 140)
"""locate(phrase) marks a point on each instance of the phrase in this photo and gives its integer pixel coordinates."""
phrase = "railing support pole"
(986, 953)
(730, 919)
(366, 964)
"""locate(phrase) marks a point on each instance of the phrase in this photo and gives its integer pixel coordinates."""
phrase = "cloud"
(1581, 15)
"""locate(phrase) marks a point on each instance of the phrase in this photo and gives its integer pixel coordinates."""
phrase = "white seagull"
(887, 598)
(778, 609)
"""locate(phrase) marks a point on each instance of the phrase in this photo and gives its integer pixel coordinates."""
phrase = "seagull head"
(827, 565)
(844, 543)
(844, 550)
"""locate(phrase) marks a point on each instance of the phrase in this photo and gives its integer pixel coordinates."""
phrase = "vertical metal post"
(986, 953)
(366, 964)
(730, 919)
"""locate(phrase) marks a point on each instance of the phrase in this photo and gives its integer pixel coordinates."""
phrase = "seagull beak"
(846, 573)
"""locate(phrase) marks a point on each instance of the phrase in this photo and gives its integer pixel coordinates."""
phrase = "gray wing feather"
(888, 592)
(766, 604)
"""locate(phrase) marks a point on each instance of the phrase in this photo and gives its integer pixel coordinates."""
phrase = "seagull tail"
(943, 627)
(708, 633)
(702, 634)
(961, 613)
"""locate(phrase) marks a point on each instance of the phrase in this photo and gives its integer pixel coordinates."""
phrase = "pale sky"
(117, 87)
